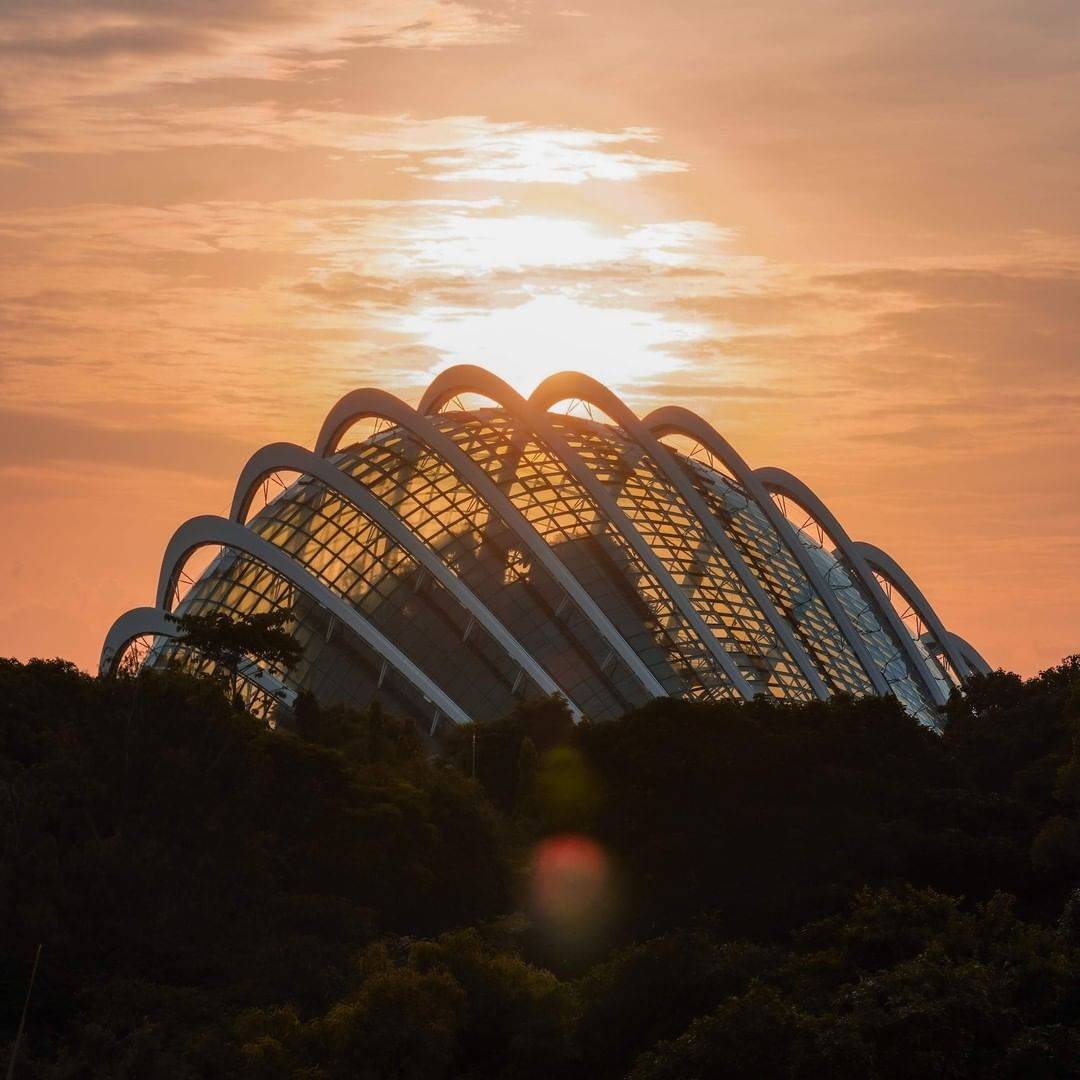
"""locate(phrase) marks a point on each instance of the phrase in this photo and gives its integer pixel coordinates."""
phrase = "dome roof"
(457, 559)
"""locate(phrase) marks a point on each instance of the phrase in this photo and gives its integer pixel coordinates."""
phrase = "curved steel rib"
(970, 655)
(573, 385)
(209, 530)
(278, 456)
(146, 621)
(794, 488)
(879, 560)
(466, 378)
(359, 404)
(674, 420)
(132, 624)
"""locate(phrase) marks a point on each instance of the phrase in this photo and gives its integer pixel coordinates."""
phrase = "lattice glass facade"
(461, 559)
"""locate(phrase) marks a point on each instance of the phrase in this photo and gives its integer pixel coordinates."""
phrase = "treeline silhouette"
(789, 891)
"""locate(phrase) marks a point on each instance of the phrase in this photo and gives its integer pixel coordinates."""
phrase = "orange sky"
(847, 233)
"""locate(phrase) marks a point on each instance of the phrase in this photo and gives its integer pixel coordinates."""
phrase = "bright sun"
(550, 333)
(600, 327)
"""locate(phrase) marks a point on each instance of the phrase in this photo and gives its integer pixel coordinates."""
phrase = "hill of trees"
(695, 891)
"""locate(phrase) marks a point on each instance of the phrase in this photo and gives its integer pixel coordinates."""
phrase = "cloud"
(58, 57)
(246, 286)
(448, 149)
(210, 36)
(389, 238)
(518, 153)
(1004, 322)
(345, 289)
(37, 439)
(207, 304)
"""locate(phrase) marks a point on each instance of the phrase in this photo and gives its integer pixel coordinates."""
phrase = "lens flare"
(571, 889)
(566, 792)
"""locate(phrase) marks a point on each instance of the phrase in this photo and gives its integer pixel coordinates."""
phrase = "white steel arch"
(970, 655)
(675, 420)
(873, 570)
(208, 530)
(792, 487)
(278, 456)
(886, 565)
(466, 378)
(152, 621)
(570, 384)
(133, 624)
(359, 404)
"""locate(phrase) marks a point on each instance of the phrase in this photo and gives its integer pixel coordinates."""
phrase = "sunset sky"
(846, 233)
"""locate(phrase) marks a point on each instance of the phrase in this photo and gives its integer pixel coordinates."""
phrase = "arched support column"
(792, 487)
(359, 404)
(466, 378)
(970, 655)
(673, 420)
(879, 560)
(208, 531)
(278, 456)
(152, 621)
(136, 623)
(581, 387)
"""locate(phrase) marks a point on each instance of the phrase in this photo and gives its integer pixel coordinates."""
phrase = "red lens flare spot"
(571, 888)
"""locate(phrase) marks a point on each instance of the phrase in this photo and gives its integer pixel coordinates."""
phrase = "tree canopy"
(226, 640)
(791, 891)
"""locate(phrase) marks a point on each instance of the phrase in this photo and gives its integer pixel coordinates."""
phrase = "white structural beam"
(138, 622)
(674, 420)
(874, 571)
(153, 622)
(465, 378)
(793, 488)
(569, 384)
(888, 567)
(970, 655)
(368, 402)
(207, 531)
(287, 456)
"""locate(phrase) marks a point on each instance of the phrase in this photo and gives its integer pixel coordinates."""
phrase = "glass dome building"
(455, 558)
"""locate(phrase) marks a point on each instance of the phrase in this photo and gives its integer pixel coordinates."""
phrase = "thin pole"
(474, 755)
(22, 1019)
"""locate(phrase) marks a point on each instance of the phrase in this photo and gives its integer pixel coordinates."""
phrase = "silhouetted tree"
(804, 890)
(228, 639)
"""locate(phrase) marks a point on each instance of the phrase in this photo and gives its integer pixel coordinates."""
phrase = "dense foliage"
(788, 891)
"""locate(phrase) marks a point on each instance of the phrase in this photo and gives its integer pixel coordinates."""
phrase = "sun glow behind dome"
(466, 240)
(550, 332)
(510, 308)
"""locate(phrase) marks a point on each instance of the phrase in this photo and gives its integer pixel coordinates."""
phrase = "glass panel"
(776, 568)
(885, 649)
(564, 514)
(696, 562)
(342, 548)
(477, 544)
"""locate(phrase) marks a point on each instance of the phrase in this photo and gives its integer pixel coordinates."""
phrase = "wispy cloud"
(221, 296)
(519, 153)
(123, 40)
(448, 149)
(246, 286)
(71, 69)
